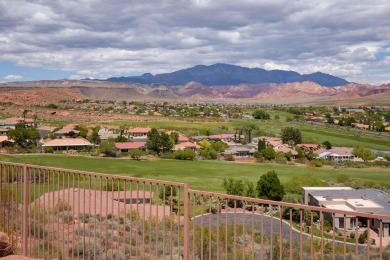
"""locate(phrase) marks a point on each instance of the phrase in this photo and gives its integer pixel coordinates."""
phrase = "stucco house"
(65, 144)
(372, 201)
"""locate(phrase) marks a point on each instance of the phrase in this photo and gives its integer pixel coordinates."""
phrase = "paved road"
(260, 222)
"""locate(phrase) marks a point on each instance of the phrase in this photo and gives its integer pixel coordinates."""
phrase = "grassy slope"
(203, 175)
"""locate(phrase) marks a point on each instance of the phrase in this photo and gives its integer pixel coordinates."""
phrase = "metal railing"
(56, 213)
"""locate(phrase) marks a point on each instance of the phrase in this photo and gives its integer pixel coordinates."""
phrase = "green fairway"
(310, 133)
(202, 175)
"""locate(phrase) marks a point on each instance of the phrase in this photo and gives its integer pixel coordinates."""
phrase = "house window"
(341, 222)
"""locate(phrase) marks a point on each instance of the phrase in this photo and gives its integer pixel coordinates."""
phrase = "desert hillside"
(45, 92)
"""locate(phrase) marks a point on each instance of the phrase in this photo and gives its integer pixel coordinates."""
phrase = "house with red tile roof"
(183, 139)
(65, 144)
(336, 154)
(4, 141)
(285, 149)
(138, 131)
(127, 146)
(312, 147)
(187, 145)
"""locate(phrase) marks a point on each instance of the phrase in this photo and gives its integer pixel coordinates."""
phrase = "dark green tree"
(260, 114)
(175, 137)
(269, 187)
(107, 147)
(158, 142)
(261, 145)
(22, 135)
(83, 130)
(269, 153)
(291, 133)
(95, 138)
(327, 145)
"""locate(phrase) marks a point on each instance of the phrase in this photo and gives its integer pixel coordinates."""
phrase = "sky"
(74, 39)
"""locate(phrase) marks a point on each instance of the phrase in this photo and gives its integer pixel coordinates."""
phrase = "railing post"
(186, 221)
(25, 210)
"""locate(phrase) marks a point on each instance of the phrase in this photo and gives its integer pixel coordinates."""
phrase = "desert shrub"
(229, 157)
(88, 249)
(84, 217)
(66, 216)
(49, 150)
(46, 250)
(82, 231)
(113, 254)
(62, 206)
(38, 231)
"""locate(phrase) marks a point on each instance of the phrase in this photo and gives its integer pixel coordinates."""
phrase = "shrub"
(229, 157)
(113, 185)
(352, 235)
(88, 249)
(363, 237)
(49, 150)
(113, 254)
(66, 216)
(327, 225)
(62, 206)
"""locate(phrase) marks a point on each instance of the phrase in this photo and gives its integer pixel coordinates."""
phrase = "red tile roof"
(20, 119)
(183, 138)
(130, 145)
(185, 145)
(139, 130)
(67, 142)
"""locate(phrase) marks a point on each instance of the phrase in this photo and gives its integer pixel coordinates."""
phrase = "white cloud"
(13, 77)
(114, 38)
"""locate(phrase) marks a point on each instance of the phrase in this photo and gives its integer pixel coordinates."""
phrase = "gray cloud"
(107, 38)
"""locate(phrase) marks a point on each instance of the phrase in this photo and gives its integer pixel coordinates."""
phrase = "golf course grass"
(202, 175)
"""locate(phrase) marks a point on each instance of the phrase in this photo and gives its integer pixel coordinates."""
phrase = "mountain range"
(226, 75)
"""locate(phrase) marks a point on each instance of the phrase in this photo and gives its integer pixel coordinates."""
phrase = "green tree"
(219, 146)
(260, 114)
(261, 145)
(121, 139)
(22, 135)
(175, 137)
(250, 189)
(327, 145)
(83, 130)
(107, 147)
(158, 142)
(379, 126)
(233, 187)
(208, 153)
(269, 153)
(136, 153)
(291, 133)
(269, 187)
(363, 152)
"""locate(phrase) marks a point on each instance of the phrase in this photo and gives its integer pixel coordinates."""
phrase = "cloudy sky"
(46, 39)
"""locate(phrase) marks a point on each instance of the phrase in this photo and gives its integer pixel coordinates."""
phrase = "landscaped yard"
(202, 175)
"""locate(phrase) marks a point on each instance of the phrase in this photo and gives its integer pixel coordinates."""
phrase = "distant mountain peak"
(221, 74)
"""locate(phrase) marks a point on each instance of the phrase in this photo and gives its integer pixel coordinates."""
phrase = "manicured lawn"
(202, 175)
(310, 133)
